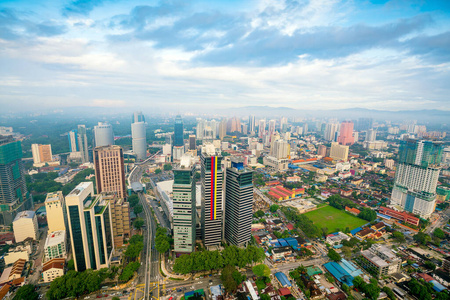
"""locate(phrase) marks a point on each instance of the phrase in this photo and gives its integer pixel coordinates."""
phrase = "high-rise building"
(192, 142)
(283, 124)
(280, 149)
(251, 124)
(200, 129)
(120, 218)
(178, 132)
(90, 230)
(364, 124)
(103, 134)
(238, 203)
(339, 152)
(82, 143)
(346, 133)
(222, 129)
(322, 150)
(234, 125)
(212, 193)
(110, 170)
(14, 196)
(56, 211)
(139, 136)
(371, 135)
(416, 176)
(330, 131)
(73, 140)
(184, 212)
(272, 124)
(41, 153)
(262, 128)
(177, 153)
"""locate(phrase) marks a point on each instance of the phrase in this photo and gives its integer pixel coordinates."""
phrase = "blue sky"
(191, 55)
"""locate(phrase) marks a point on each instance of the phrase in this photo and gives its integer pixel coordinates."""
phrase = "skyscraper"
(178, 132)
(192, 142)
(200, 128)
(330, 131)
(222, 129)
(212, 192)
(234, 125)
(272, 124)
(110, 170)
(364, 124)
(14, 196)
(251, 124)
(73, 140)
(346, 133)
(82, 143)
(416, 176)
(184, 213)
(238, 203)
(138, 135)
(103, 134)
(262, 128)
(371, 135)
(91, 234)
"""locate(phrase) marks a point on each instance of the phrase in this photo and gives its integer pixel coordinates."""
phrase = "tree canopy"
(333, 255)
(162, 240)
(367, 214)
(261, 270)
(26, 292)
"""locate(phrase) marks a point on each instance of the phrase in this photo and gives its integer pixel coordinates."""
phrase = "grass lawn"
(334, 219)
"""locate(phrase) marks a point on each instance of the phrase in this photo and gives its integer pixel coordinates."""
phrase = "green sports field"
(334, 219)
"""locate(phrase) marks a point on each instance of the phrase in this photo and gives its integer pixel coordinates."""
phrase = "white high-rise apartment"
(339, 152)
(330, 131)
(262, 128)
(371, 135)
(89, 225)
(82, 143)
(416, 176)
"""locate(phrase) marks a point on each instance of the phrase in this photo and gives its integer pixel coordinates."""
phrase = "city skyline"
(212, 55)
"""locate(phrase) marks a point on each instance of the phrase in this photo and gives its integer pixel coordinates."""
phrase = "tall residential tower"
(110, 170)
(416, 176)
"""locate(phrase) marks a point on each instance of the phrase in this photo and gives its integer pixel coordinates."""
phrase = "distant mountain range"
(422, 116)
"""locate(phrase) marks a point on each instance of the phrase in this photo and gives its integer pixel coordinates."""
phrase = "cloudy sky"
(198, 55)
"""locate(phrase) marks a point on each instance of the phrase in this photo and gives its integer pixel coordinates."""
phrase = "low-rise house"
(352, 210)
(281, 252)
(365, 234)
(337, 238)
(52, 269)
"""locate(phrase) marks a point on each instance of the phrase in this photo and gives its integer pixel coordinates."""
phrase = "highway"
(148, 275)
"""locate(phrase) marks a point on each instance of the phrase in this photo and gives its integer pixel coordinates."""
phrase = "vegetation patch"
(334, 219)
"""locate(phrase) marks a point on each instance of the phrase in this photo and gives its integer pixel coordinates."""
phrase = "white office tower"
(73, 141)
(178, 152)
(200, 128)
(138, 135)
(416, 176)
(184, 213)
(330, 131)
(238, 203)
(56, 211)
(89, 227)
(371, 135)
(25, 226)
(82, 143)
(212, 177)
(104, 135)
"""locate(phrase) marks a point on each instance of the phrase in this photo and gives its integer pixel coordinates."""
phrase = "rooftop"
(80, 188)
(55, 238)
(26, 214)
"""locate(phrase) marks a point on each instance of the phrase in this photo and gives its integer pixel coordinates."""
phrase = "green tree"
(26, 292)
(138, 209)
(158, 171)
(129, 270)
(167, 167)
(228, 280)
(258, 214)
(261, 270)
(71, 265)
(162, 243)
(422, 238)
(265, 297)
(399, 237)
(367, 214)
(274, 207)
(137, 238)
(134, 250)
(439, 233)
(333, 255)
(138, 223)
(389, 292)
(133, 200)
